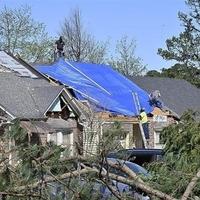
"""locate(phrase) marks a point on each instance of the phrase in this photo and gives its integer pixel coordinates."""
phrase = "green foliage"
(125, 60)
(153, 73)
(17, 133)
(5, 180)
(110, 140)
(24, 157)
(33, 163)
(22, 35)
(179, 71)
(185, 47)
(181, 161)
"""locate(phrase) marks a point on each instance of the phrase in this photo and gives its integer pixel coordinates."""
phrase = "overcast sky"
(149, 22)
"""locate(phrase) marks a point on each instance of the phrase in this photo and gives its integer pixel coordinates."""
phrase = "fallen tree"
(37, 166)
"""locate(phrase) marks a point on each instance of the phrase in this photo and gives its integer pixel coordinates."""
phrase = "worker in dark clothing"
(155, 99)
(60, 47)
(144, 120)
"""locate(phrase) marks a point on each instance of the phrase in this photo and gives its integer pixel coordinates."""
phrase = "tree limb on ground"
(112, 189)
(21, 195)
(126, 170)
(191, 186)
(143, 186)
(137, 182)
(134, 182)
(61, 177)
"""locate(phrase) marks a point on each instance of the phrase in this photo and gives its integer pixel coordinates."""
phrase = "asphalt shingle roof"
(178, 95)
(25, 97)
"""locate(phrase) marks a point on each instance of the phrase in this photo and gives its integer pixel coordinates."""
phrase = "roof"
(103, 87)
(8, 62)
(37, 127)
(25, 92)
(12, 64)
(178, 95)
(59, 124)
(25, 97)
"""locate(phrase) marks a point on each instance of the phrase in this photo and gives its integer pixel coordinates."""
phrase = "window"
(157, 139)
(160, 118)
(56, 138)
(67, 139)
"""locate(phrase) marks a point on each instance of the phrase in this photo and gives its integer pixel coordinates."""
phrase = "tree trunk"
(191, 186)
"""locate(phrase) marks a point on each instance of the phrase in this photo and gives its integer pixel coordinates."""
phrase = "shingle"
(178, 95)
(26, 97)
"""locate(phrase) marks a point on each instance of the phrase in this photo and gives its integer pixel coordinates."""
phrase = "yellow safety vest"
(143, 117)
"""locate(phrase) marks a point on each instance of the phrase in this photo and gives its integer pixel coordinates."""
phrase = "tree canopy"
(185, 48)
(125, 60)
(179, 71)
(181, 162)
(21, 35)
(79, 44)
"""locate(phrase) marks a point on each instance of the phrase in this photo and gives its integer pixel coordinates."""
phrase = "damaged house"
(47, 112)
(74, 104)
(113, 98)
(107, 97)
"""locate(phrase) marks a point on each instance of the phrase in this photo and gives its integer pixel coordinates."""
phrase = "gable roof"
(178, 95)
(105, 88)
(25, 97)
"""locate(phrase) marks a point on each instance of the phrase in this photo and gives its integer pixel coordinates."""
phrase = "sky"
(148, 22)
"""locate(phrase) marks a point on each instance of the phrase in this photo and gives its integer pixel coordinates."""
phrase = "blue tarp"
(101, 85)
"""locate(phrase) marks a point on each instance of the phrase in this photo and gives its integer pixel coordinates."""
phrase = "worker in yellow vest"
(144, 120)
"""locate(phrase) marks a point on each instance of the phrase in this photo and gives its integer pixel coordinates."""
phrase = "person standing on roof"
(60, 47)
(144, 120)
(155, 99)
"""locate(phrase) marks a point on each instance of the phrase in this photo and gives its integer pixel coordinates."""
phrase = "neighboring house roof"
(27, 93)
(105, 88)
(8, 62)
(178, 95)
(11, 63)
(26, 97)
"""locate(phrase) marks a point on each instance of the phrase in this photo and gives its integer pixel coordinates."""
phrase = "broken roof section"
(101, 85)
